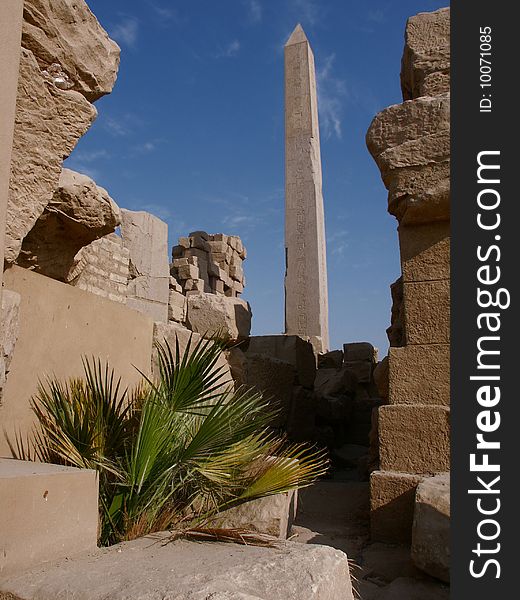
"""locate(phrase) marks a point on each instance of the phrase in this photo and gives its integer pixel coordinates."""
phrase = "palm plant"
(172, 453)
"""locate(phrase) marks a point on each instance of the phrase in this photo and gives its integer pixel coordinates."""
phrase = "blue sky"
(194, 133)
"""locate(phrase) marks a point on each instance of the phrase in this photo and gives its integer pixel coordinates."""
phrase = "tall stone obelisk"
(306, 296)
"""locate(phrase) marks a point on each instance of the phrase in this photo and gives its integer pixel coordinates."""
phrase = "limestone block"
(275, 379)
(334, 382)
(431, 526)
(146, 238)
(402, 124)
(420, 194)
(288, 348)
(289, 571)
(359, 351)
(179, 262)
(201, 234)
(217, 246)
(48, 512)
(392, 497)
(199, 242)
(176, 307)
(425, 68)
(425, 251)
(330, 360)
(427, 312)
(157, 311)
(414, 438)
(187, 272)
(420, 374)
(382, 378)
(175, 285)
(410, 143)
(48, 124)
(194, 285)
(66, 32)
(361, 370)
(273, 515)
(79, 213)
(209, 314)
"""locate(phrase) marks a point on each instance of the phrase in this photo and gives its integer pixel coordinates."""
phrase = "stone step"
(47, 512)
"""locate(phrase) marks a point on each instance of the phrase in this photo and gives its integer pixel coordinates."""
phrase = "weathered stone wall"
(58, 324)
(102, 268)
(410, 143)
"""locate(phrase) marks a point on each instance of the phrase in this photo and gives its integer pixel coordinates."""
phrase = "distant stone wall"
(410, 143)
(102, 269)
(209, 263)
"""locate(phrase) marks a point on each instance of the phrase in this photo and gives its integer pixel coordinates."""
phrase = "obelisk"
(306, 296)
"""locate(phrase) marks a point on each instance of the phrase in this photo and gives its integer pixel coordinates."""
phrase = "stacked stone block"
(102, 268)
(410, 144)
(209, 263)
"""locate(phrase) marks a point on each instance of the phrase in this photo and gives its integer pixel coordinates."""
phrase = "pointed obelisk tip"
(297, 36)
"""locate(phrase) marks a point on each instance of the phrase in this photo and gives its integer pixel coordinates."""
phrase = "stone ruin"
(386, 422)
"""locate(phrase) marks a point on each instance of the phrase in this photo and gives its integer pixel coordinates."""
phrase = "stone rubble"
(209, 263)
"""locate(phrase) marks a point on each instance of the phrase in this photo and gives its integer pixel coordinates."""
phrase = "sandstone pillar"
(410, 143)
(10, 42)
(306, 298)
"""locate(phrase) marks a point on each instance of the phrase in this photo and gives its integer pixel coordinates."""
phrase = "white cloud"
(90, 157)
(145, 147)
(126, 31)
(116, 127)
(229, 51)
(337, 242)
(332, 93)
(376, 15)
(255, 11)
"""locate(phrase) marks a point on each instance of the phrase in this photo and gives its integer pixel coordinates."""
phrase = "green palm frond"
(175, 451)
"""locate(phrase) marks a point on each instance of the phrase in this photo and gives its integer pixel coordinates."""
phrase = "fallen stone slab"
(431, 527)
(152, 569)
